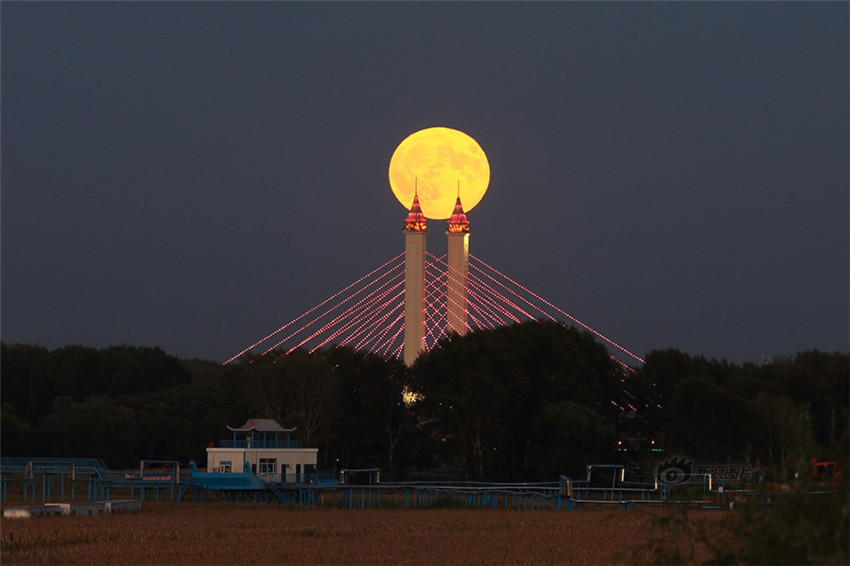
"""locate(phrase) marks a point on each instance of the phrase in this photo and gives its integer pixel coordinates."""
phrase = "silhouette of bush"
(801, 527)
(795, 528)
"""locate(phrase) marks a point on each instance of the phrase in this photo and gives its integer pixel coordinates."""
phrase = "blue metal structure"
(45, 479)
(31, 479)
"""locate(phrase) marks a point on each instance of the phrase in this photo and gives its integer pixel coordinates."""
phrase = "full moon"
(434, 162)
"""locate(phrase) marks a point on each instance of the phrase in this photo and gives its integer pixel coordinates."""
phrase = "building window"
(225, 467)
(268, 466)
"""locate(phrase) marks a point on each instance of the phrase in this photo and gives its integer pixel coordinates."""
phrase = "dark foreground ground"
(211, 533)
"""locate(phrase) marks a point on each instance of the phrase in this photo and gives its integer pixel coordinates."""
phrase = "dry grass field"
(212, 533)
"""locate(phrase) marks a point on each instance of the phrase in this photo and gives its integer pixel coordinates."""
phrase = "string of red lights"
(550, 305)
(320, 305)
(333, 307)
(368, 314)
(358, 316)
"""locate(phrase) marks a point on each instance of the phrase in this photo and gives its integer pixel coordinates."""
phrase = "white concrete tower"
(415, 231)
(457, 274)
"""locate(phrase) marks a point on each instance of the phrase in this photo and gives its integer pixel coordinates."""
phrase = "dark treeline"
(524, 402)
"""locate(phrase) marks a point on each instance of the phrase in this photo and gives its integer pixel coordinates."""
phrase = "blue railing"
(317, 478)
(30, 465)
(260, 443)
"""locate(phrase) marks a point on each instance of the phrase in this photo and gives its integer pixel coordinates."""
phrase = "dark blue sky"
(193, 175)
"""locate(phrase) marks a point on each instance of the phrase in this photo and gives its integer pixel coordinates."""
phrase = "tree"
(786, 431)
(265, 390)
(663, 370)
(567, 437)
(373, 416)
(706, 422)
(481, 392)
(15, 439)
(820, 381)
(298, 388)
(175, 423)
(23, 387)
(94, 428)
(464, 388)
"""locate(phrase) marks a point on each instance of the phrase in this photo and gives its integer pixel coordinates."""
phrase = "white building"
(268, 449)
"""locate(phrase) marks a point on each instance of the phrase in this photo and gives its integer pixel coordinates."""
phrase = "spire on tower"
(416, 221)
(458, 222)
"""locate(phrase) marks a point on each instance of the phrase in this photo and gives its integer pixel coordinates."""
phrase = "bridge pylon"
(415, 234)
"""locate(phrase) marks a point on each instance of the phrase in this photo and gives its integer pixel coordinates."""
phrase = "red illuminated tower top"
(416, 221)
(458, 222)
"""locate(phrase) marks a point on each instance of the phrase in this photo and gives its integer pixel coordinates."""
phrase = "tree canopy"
(529, 401)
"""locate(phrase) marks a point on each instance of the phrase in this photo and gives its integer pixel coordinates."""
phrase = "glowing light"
(415, 221)
(410, 397)
(458, 221)
(445, 164)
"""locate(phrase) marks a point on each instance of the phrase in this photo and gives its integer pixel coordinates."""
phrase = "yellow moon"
(432, 161)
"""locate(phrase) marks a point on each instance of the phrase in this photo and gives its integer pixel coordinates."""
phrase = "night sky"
(194, 175)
